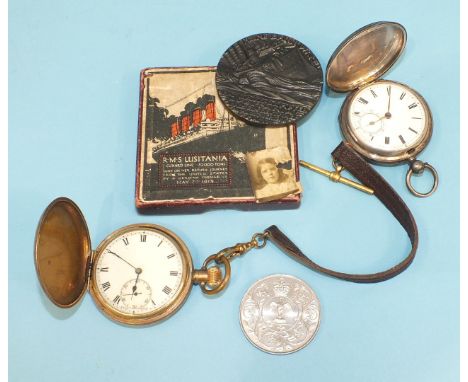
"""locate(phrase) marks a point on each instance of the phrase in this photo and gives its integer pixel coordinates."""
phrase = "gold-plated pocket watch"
(385, 121)
(139, 274)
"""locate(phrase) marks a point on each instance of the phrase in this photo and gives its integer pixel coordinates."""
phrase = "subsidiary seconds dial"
(388, 121)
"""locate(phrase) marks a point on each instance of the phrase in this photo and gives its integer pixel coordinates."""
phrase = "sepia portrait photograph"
(271, 174)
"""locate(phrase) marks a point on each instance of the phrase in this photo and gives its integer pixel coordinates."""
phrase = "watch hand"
(132, 294)
(374, 122)
(134, 287)
(115, 254)
(389, 91)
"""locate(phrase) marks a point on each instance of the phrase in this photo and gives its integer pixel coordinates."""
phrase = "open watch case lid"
(365, 55)
(62, 252)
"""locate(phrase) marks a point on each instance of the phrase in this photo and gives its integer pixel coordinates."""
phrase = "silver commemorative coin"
(280, 314)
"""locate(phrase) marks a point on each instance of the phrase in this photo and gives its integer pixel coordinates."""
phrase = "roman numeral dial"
(138, 272)
(385, 118)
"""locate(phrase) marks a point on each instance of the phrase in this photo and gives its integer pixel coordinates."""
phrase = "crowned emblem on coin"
(280, 314)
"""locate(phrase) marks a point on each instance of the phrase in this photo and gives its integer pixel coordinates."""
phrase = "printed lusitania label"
(191, 150)
(194, 170)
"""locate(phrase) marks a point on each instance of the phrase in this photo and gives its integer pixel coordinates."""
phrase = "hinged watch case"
(361, 59)
(64, 262)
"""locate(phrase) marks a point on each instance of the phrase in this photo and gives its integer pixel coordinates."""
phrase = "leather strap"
(361, 170)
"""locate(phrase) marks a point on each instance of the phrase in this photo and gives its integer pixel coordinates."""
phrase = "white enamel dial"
(387, 118)
(138, 272)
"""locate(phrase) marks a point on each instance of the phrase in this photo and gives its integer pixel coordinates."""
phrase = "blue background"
(74, 72)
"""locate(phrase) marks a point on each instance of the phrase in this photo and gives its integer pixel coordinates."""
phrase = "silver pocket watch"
(385, 121)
